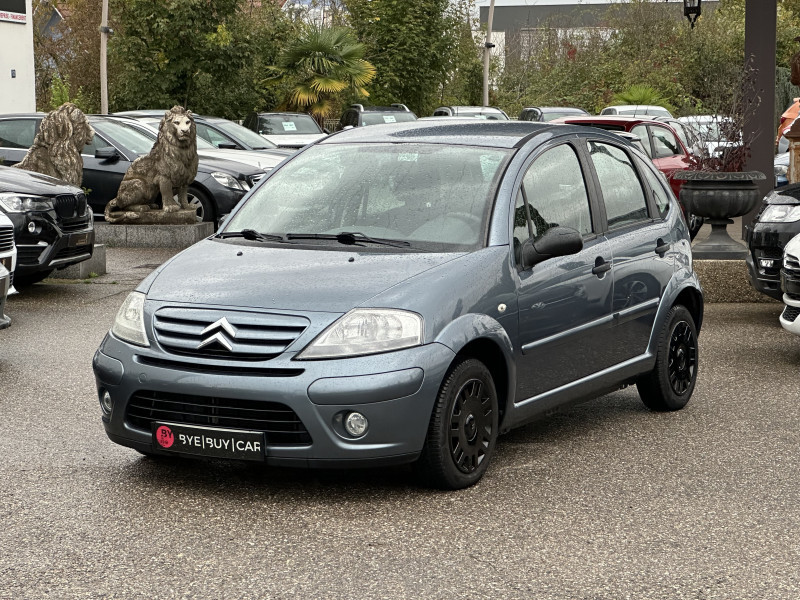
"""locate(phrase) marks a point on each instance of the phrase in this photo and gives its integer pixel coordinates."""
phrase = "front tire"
(201, 204)
(462, 434)
(22, 281)
(671, 382)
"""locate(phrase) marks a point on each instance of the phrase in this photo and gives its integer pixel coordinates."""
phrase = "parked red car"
(661, 143)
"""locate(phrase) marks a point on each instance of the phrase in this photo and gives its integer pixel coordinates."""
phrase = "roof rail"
(357, 107)
(403, 106)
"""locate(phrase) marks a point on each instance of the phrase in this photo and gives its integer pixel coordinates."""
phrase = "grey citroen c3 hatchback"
(405, 293)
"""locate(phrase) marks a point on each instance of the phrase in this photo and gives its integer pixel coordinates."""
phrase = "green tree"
(411, 45)
(322, 64)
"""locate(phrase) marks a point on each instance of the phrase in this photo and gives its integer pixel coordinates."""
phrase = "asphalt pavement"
(605, 500)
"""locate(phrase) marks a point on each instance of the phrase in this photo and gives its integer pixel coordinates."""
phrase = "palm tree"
(642, 94)
(323, 62)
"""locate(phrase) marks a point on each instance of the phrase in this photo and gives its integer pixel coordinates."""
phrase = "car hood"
(789, 194)
(294, 141)
(28, 182)
(236, 168)
(260, 160)
(215, 272)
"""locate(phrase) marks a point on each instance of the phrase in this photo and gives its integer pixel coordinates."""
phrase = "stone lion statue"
(56, 149)
(167, 170)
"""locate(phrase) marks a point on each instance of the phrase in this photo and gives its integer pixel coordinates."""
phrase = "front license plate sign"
(209, 441)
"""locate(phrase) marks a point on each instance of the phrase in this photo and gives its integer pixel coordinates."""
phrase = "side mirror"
(107, 153)
(557, 241)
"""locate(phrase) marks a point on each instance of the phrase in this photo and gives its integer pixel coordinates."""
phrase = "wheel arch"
(483, 338)
(209, 197)
(692, 299)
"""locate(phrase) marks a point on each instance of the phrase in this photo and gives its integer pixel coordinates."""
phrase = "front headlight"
(129, 324)
(19, 203)
(366, 331)
(781, 213)
(227, 180)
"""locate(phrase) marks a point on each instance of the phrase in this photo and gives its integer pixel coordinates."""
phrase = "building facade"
(17, 72)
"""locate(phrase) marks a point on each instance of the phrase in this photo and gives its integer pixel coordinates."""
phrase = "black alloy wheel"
(670, 384)
(462, 433)
(682, 357)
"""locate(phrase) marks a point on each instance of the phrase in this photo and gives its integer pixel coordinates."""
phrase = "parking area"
(603, 500)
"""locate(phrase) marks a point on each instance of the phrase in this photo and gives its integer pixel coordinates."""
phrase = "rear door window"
(623, 194)
(665, 144)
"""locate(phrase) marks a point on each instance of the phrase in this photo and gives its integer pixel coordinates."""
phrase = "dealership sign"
(13, 10)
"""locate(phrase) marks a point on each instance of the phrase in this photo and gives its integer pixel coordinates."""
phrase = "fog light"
(32, 227)
(105, 403)
(766, 263)
(356, 424)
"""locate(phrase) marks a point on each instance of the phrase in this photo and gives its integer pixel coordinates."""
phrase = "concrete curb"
(151, 236)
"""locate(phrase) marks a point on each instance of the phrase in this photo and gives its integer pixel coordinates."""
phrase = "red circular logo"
(164, 436)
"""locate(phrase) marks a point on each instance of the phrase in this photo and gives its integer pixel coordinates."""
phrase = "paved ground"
(606, 501)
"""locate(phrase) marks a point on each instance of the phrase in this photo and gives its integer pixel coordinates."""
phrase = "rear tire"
(671, 382)
(462, 433)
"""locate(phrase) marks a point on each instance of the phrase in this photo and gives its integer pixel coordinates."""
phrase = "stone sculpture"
(56, 149)
(167, 170)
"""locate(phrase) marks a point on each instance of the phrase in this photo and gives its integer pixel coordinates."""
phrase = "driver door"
(564, 302)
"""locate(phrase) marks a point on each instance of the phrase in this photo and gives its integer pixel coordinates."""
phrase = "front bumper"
(766, 241)
(790, 317)
(395, 391)
(54, 244)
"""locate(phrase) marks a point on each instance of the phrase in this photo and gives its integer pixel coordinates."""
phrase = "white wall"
(17, 94)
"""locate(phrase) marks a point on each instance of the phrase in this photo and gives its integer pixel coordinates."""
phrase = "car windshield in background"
(287, 125)
(239, 132)
(130, 137)
(549, 116)
(433, 196)
(389, 117)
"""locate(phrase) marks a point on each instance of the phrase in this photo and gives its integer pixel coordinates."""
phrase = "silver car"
(8, 261)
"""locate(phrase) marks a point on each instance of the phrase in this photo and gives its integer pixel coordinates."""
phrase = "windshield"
(287, 125)
(479, 114)
(128, 136)
(243, 134)
(435, 197)
(549, 116)
(379, 118)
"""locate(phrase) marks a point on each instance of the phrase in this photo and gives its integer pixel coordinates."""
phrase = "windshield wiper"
(348, 238)
(252, 234)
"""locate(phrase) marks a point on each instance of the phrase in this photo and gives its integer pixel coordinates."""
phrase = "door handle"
(662, 247)
(600, 267)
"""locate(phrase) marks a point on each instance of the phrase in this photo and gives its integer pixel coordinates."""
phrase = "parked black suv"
(53, 225)
(776, 224)
(359, 115)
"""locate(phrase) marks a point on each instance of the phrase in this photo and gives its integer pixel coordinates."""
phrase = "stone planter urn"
(718, 197)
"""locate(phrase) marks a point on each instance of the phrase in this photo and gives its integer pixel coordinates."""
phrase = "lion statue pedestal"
(167, 170)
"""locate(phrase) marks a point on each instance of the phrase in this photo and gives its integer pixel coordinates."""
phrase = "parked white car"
(790, 284)
(8, 262)
(710, 131)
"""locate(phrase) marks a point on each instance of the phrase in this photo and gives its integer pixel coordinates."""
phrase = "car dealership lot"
(604, 500)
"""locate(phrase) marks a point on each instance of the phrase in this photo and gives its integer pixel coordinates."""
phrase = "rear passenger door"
(564, 302)
(641, 243)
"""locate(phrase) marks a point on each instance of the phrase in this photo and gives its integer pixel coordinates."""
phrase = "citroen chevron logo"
(219, 337)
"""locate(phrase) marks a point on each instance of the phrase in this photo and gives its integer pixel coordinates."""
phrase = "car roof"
(282, 114)
(152, 113)
(462, 132)
(556, 108)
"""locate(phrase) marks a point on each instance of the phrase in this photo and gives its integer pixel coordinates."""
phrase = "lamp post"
(691, 10)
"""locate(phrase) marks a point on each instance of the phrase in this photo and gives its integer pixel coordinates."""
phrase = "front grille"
(72, 225)
(280, 423)
(68, 206)
(243, 335)
(29, 255)
(790, 313)
(6, 238)
(66, 253)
